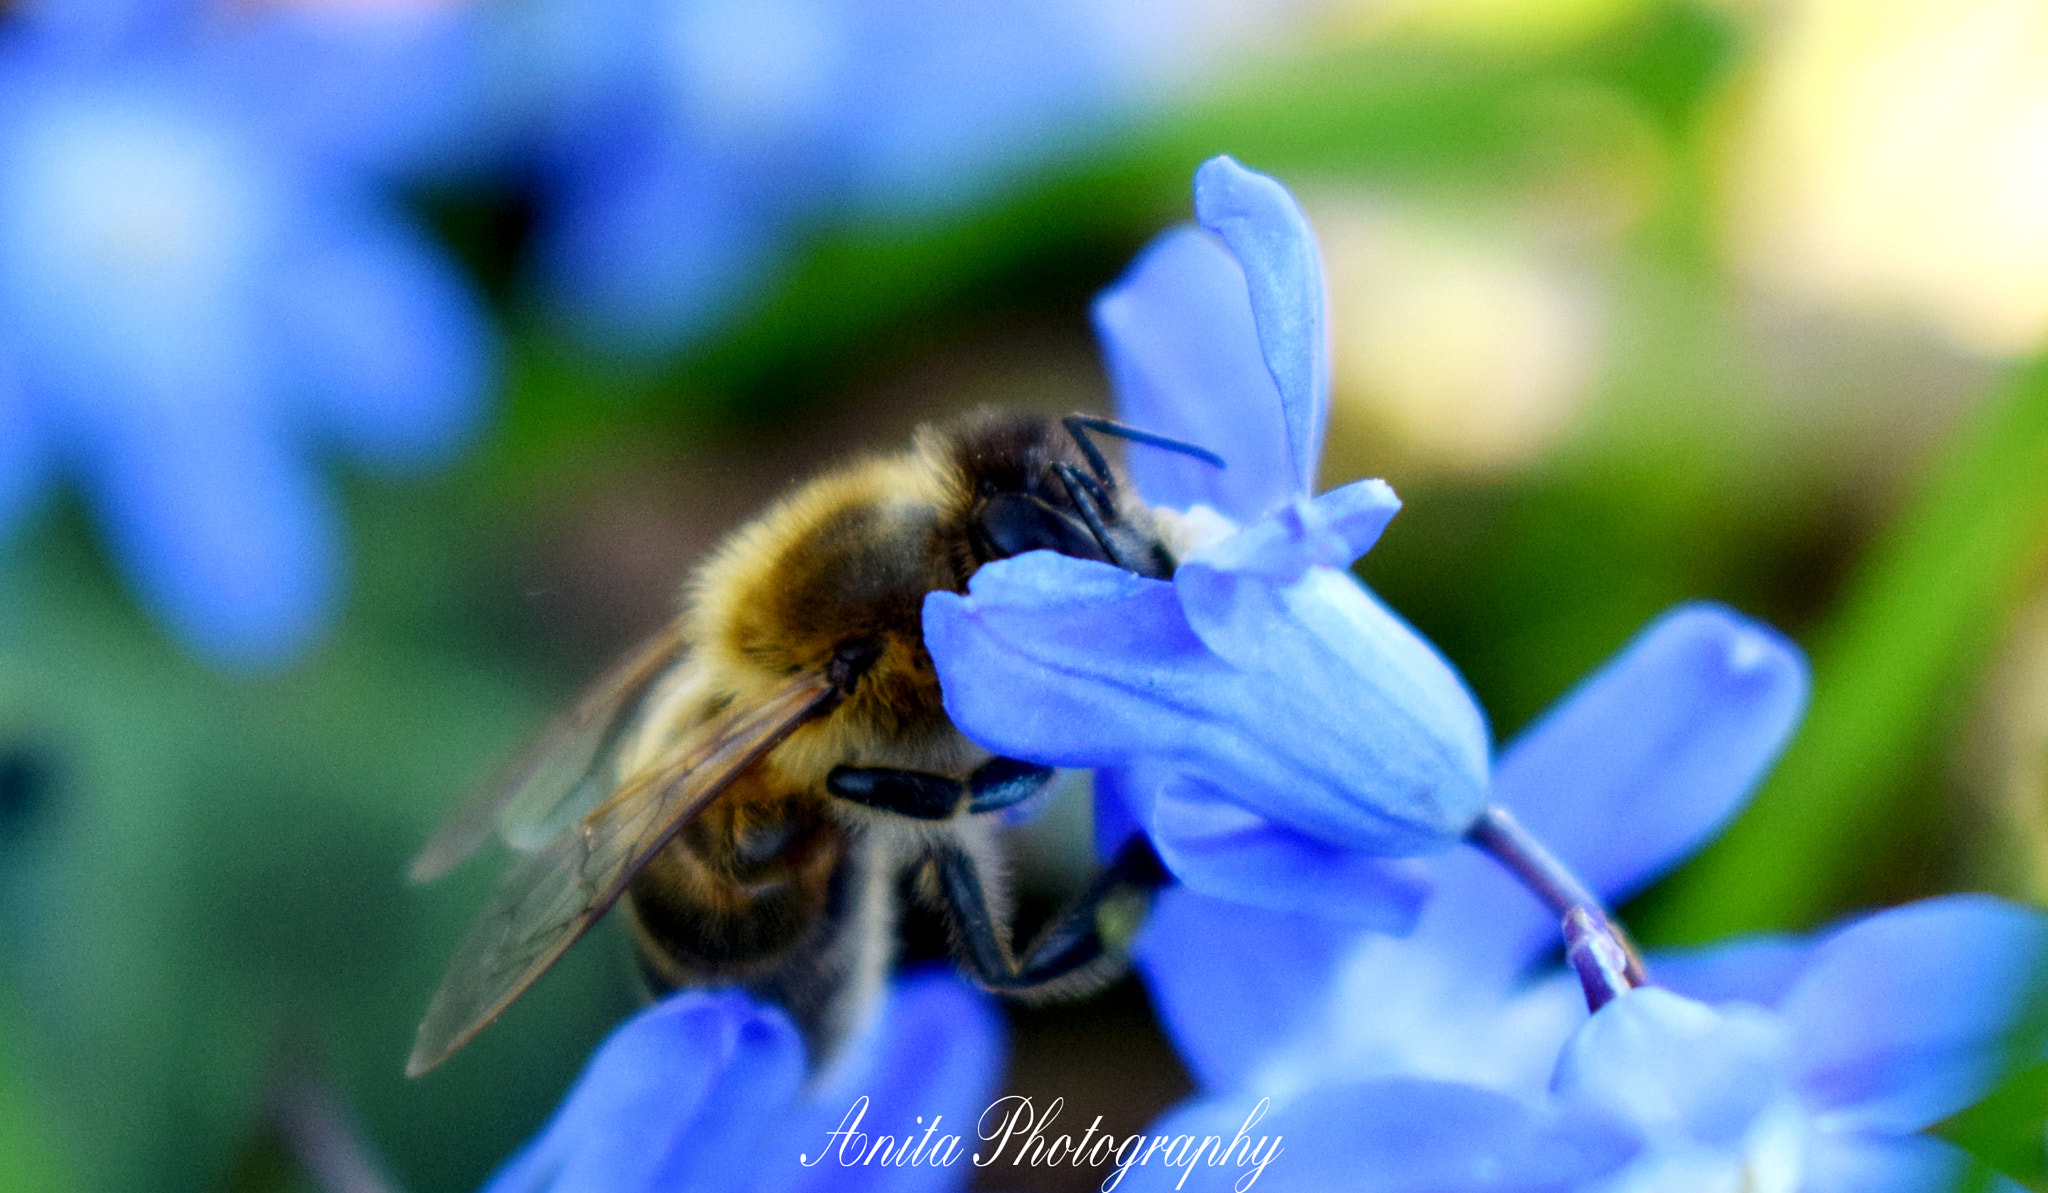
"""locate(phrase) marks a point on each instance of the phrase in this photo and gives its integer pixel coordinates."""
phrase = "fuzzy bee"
(757, 780)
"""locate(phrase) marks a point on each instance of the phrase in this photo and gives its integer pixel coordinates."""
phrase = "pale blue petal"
(97, 28)
(1854, 1162)
(1912, 1014)
(1392, 1136)
(1230, 981)
(1323, 722)
(396, 90)
(222, 528)
(385, 338)
(1628, 774)
(1375, 720)
(670, 1103)
(647, 252)
(1069, 662)
(928, 1067)
(1283, 272)
(1399, 1011)
(1753, 969)
(950, 100)
(1332, 530)
(1672, 1067)
(1218, 848)
(1183, 356)
(1648, 757)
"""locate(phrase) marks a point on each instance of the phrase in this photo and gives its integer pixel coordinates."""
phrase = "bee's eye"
(1012, 523)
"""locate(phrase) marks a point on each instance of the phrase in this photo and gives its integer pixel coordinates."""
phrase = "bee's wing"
(554, 895)
(563, 774)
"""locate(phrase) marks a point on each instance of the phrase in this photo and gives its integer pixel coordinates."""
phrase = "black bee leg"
(1085, 494)
(920, 795)
(1004, 782)
(1088, 942)
(1078, 426)
(911, 793)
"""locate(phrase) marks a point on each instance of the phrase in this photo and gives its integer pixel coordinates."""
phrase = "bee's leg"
(1087, 496)
(1090, 940)
(1005, 782)
(995, 784)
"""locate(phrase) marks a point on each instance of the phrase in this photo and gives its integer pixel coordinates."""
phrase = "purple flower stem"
(1503, 838)
(1598, 956)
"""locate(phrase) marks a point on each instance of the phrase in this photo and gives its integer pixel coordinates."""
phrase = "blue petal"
(950, 100)
(1067, 662)
(647, 252)
(1754, 969)
(1393, 1136)
(222, 528)
(396, 90)
(1352, 695)
(1851, 1162)
(1283, 272)
(927, 1068)
(1332, 530)
(1222, 850)
(385, 337)
(1183, 356)
(1911, 1015)
(1331, 719)
(1123, 802)
(1675, 1068)
(675, 1100)
(1628, 774)
(1230, 981)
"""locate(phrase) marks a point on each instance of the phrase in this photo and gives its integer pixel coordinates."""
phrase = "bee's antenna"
(1078, 426)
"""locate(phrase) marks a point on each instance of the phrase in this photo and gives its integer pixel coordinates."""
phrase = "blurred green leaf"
(1893, 667)
(32, 1159)
(2009, 1129)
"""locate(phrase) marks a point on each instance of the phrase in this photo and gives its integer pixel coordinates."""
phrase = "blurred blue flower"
(201, 287)
(1276, 730)
(1763, 1064)
(706, 1092)
(683, 144)
(1461, 1056)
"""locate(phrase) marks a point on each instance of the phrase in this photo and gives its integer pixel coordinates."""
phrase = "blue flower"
(706, 1092)
(1762, 1064)
(200, 287)
(1636, 768)
(684, 144)
(1462, 1058)
(1276, 730)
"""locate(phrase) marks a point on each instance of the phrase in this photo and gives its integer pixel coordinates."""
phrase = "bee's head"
(1031, 488)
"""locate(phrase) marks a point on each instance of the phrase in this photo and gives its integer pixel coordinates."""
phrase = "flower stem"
(1503, 838)
(1598, 955)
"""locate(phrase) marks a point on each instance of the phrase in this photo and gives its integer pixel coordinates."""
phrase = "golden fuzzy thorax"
(849, 555)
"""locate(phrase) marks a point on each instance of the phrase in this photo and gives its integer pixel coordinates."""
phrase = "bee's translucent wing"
(554, 895)
(566, 771)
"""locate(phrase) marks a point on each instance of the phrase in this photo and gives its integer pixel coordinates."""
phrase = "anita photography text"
(1013, 1127)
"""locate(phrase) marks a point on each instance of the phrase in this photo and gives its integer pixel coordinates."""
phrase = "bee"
(761, 779)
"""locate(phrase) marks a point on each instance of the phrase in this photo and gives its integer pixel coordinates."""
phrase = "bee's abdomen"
(741, 888)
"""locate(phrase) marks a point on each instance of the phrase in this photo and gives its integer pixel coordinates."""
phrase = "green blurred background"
(1632, 303)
